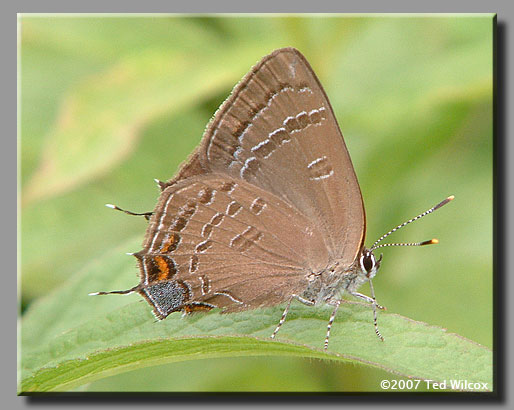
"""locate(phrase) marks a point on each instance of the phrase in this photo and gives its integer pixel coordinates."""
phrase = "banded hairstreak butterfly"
(266, 210)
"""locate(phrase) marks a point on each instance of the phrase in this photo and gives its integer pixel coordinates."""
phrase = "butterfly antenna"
(147, 215)
(429, 242)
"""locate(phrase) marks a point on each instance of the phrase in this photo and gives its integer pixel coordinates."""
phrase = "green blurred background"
(109, 103)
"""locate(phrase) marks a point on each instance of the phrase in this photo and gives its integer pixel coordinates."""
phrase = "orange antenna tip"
(430, 242)
(442, 203)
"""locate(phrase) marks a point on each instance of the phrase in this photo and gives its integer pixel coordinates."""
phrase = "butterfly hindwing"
(225, 243)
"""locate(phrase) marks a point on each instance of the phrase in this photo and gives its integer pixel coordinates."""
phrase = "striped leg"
(330, 321)
(283, 318)
(374, 306)
(367, 299)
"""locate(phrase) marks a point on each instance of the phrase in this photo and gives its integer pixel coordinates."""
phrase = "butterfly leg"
(374, 306)
(331, 320)
(366, 299)
(283, 318)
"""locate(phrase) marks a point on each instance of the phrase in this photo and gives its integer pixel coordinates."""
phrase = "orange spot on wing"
(196, 308)
(171, 241)
(163, 268)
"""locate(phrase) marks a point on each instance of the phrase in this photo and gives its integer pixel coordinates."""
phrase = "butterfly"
(266, 210)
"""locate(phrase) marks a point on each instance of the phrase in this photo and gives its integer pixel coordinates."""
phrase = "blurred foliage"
(109, 103)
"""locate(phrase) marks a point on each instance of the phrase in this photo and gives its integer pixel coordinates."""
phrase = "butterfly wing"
(216, 241)
(268, 198)
(277, 131)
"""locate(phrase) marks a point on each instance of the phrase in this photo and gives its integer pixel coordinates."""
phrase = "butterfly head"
(369, 264)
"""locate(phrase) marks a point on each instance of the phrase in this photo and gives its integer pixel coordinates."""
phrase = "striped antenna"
(429, 242)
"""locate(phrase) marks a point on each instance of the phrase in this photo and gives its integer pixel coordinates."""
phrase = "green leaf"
(70, 338)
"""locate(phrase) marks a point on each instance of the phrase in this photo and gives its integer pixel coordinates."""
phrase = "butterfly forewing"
(213, 236)
(277, 131)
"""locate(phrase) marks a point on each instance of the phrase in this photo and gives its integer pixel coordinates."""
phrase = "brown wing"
(277, 131)
(215, 241)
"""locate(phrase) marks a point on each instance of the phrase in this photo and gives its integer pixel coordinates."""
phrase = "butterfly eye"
(369, 264)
